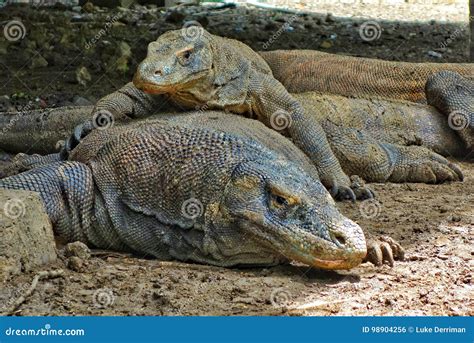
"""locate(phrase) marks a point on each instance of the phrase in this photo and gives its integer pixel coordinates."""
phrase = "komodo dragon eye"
(185, 56)
(282, 203)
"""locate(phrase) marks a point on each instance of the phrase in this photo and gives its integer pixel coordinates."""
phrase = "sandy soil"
(435, 224)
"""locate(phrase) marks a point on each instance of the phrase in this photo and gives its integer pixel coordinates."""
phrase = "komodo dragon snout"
(285, 211)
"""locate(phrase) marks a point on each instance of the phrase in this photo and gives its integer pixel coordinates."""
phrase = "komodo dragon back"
(310, 70)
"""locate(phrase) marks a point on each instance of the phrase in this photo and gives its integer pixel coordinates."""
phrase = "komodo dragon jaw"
(292, 215)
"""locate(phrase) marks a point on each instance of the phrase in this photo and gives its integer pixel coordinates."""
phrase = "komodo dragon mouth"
(318, 252)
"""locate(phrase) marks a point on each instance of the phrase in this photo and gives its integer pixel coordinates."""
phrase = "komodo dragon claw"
(384, 249)
(80, 131)
(357, 191)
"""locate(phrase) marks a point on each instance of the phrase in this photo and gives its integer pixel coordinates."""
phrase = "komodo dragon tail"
(38, 131)
(310, 70)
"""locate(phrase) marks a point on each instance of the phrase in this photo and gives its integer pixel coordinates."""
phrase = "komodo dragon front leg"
(277, 109)
(126, 103)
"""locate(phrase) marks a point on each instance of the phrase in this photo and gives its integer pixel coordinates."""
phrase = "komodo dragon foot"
(377, 161)
(384, 250)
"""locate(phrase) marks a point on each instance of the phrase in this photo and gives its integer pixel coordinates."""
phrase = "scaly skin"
(309, 70)
(233, 200)
(454, 96)
(382, 141)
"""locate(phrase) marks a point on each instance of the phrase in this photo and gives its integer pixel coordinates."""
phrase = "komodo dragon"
(212, 72)
(309, 70)
(201, 187)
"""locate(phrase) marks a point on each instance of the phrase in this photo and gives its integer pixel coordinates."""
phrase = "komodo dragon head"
(285, 211)
(174, 62)
(196, 67)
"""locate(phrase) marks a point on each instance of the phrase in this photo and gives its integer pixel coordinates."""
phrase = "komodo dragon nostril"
(158, 72)
(340, 239)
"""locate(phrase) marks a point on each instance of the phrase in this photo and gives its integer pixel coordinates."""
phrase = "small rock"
(88, 7)
(38, 62)
(435, 54)
(75, 263)
(326, 44)
(83, 76)
(77, 249)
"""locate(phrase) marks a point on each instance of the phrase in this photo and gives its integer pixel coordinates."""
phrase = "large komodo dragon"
(201, 187)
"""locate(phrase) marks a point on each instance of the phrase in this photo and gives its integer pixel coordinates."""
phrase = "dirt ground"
(434, 223)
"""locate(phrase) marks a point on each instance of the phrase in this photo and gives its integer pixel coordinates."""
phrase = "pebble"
(435, 54)
(77, 249)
